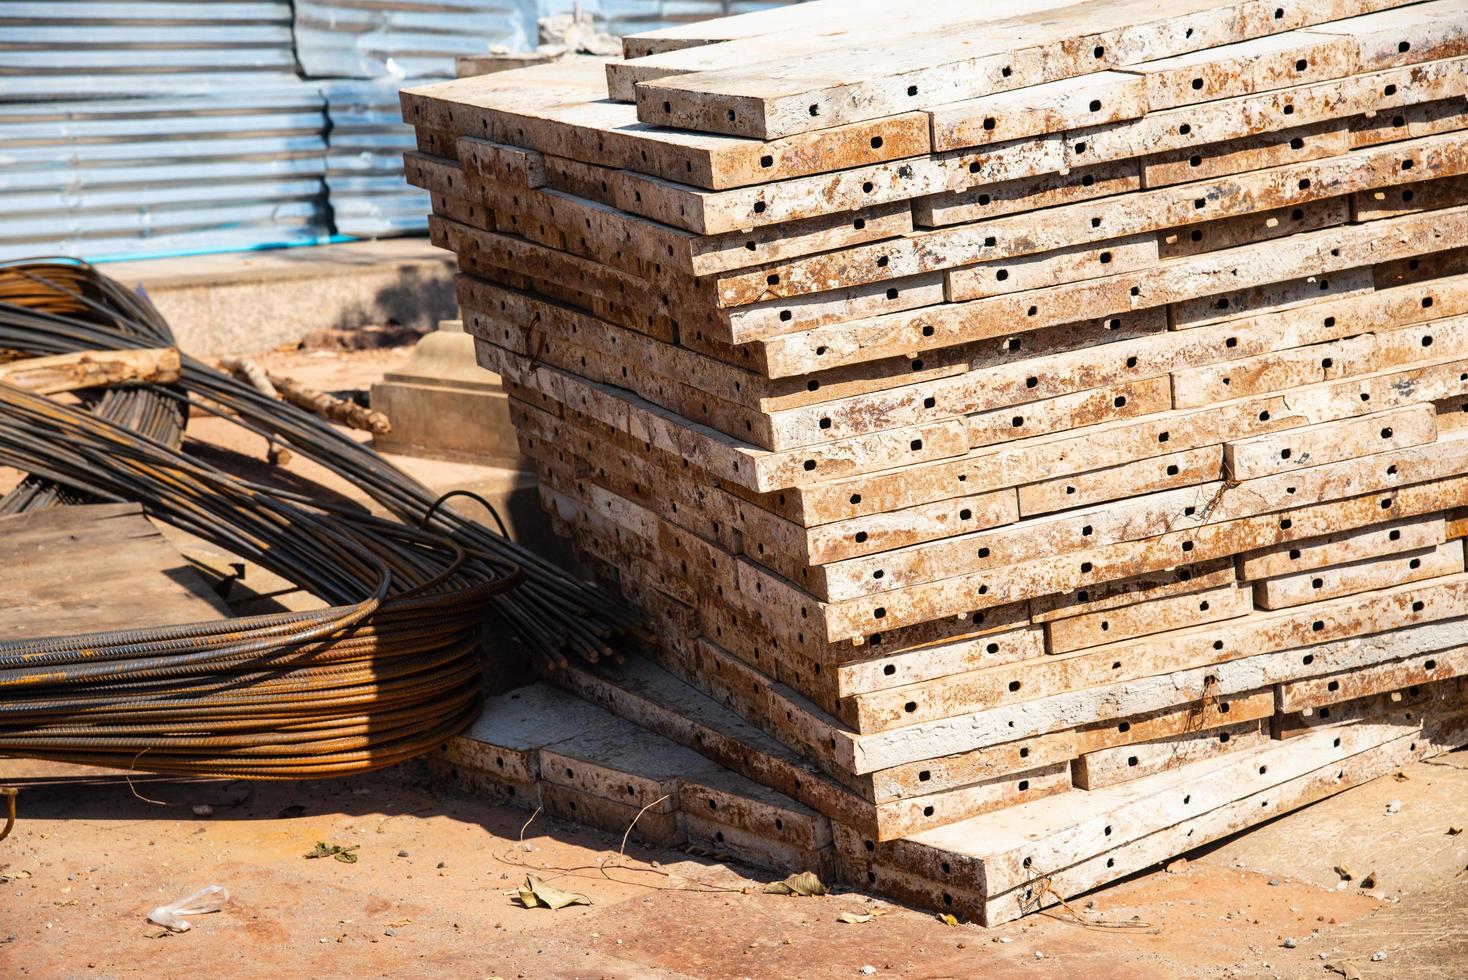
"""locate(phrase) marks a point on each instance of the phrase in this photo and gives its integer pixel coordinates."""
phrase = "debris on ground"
(805, 883)
(537, 894)
(210, 898)
(346, 854)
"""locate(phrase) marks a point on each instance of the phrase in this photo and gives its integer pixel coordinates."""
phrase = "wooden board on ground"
(92, 569)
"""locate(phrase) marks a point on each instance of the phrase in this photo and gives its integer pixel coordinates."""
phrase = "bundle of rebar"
(390, 668)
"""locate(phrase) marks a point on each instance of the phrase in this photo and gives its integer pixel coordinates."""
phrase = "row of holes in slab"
(1203, 606)
(1288, 452)
(1133, 761)
(1097, 53)
(1120, 401)
(1187, 547)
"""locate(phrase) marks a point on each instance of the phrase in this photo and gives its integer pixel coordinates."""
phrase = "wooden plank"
(92, 569)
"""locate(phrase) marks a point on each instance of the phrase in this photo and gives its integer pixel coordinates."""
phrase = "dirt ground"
(92, 853)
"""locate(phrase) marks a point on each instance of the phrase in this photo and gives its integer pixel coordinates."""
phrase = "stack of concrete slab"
(1045, 426)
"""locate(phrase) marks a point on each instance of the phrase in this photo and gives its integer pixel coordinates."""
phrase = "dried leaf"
(1370, 880)
(345, 854)
(537, 894)
(1401, 777)
(805, 883)
(947, 920)
(1454, 831)
(852, 918)
(1346, 873)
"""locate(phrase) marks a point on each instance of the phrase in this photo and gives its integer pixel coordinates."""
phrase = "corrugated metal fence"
(159, 126)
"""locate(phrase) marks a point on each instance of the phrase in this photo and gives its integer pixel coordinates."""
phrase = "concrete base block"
(246, 301)
(443, 405)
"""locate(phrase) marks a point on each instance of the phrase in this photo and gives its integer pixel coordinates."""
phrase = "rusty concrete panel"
(1271, 297)
(1400, 706)
(902, 818)
(1396, 37)
(1027, 194)
(1420, 269)
(1120, 216)
(1066, 412)
(1143, 588)
(1409, 122)
(1389, 537)
(938, 660)
(1316, 363)
(1428, 196)
(1277, 61)
(925, 522)
(880, 79)
(1179, 649)
(1149, 617)
(1421, 669)
(1069, 571)
(1329, 138)
(1328, 251)
(1250, 228)
(1053, 107)
(571, 117)
(1191, 127)
(501, 163)
(1070, 264)
(1359, 576)
(1164, 472)
(1329, 442)
(834, 307)
(1452, 413)
(1108, 767)
(712, 212)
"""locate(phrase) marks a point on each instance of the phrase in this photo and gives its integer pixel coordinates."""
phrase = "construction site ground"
(93, 852)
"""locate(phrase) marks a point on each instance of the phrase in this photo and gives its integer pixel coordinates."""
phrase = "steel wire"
(386, 671)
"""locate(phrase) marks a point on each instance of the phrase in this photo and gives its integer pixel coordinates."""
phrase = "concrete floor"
(92, 854)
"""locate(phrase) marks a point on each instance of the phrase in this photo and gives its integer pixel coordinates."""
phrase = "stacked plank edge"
(1039, 442)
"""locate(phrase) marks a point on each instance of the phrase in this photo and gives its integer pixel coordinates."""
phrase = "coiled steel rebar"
(388, 670)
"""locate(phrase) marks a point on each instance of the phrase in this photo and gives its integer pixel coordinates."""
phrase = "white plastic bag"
(210, 899)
